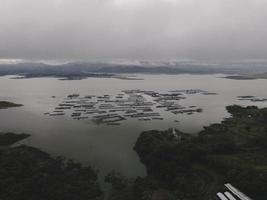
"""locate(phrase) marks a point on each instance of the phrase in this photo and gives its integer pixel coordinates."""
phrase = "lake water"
(111, 147)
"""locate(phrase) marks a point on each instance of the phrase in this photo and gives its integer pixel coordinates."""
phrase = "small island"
(247, 77)
(7, 104)
(74, 76)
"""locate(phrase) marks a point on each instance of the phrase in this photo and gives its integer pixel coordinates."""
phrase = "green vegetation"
(26, 173)
(7, 104)
(233, 151)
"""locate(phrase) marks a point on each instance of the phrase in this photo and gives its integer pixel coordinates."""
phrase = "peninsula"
(182, 166)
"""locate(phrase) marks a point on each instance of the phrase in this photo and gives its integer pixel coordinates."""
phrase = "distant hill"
(87, 69)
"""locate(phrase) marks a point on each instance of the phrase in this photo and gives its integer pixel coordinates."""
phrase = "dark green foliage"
(27, 173)
(251, 180)
(260, 141)
(233, 151)
(118, 182)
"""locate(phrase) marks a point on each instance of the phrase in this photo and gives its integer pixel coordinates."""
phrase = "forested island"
(248, 76)
(7, 104)
(196, 167)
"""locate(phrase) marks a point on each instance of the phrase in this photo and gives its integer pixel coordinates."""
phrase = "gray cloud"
(133, 29)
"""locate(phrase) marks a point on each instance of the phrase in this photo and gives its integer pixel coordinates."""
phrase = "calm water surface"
(111, 147)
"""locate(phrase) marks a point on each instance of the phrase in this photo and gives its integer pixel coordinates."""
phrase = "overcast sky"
(133, 29)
